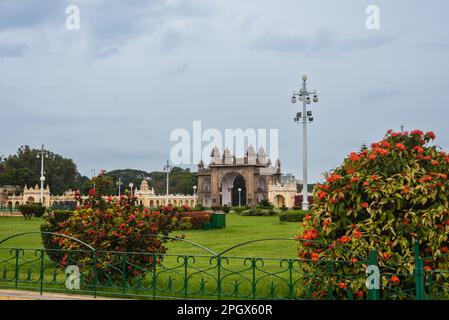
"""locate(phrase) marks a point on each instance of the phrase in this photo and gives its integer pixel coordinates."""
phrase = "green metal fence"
(208, 276)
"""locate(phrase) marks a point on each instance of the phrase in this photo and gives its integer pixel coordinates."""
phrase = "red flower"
(431, 135)
(315, 256)
(342, 285)
(354, 157)
(360, 294)
(92, 192)
(427, 268)
(344, 239)
(365, 205)
(417, 132)
(400, 146)
(386, 255)
(418, 149)
(322, 195)
(357, 234)
(444, 250)
(395, 279)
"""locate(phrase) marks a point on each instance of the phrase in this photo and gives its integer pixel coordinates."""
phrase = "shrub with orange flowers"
(382, 198)
(117, 225)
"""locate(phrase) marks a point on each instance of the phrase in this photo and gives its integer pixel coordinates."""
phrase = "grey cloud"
(378, 95)
(29, 13)
(180, 69)
(325, 41)
(12, 50)
(107, 52)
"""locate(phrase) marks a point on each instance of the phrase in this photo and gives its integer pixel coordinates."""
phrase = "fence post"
(219, 276)
(16, 273)
(95, 272)
(373, 293)
(419, 272)
(42, 271)
(186, 276)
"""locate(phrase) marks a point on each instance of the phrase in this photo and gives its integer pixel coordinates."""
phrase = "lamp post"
(93, 176)
(240, 196)
(167, 167)
(131, 185)
(41, 155)
(194, 190)
(119, 186)
(303, 95)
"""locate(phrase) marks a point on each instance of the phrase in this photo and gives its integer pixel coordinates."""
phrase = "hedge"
(293, 215)
(33, 209)
(259, 212)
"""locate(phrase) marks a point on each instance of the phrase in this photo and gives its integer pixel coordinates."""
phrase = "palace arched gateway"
(254, 174)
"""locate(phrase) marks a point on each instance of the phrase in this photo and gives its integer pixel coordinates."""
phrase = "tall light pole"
(93, 176)
(240, 197)
(119, 186)
(41, 154)
(167, 167)
(306, 116)
(194, 190)
(131, 186)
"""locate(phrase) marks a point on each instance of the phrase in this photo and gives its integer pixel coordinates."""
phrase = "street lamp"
(167, 167)
(119, 186)
(240, 196)
(304, 117)
(93, 176)
(194, 191)
(131, 185)
(41, 154)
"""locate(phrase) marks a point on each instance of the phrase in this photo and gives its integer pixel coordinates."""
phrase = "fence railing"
(182, 276)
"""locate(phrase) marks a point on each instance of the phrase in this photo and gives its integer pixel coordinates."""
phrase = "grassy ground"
(236, 272)
(238, 230)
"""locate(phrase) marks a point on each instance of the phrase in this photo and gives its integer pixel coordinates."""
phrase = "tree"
(23, 168)
(381, 198)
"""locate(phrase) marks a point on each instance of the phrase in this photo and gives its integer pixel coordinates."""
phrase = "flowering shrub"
(185, 219)
(114, 225)
(52, 223)
(383, 198)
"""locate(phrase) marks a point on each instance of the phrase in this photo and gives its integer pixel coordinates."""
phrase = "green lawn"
(236, 272)
(238, 230)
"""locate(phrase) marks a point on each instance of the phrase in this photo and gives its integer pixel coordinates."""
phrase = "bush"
(64, 206)
(259, 212)
(381, 198)
(199, 207)
(33, 209)
(283, 208)
(265, 204)
(216, 208)
(293, 215)
(225, 209)
(240, 209)
(52, 223)
(114, 225)
(192, 220)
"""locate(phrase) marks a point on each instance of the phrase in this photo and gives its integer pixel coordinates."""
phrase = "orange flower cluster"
(309, 234)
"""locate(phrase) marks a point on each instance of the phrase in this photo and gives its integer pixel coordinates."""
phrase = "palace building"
(235, 181)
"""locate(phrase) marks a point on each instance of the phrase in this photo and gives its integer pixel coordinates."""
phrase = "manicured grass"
(238, 230)
(236, 273)
(10, 226)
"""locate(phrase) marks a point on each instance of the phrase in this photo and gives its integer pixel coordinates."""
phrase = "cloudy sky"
(109, 94)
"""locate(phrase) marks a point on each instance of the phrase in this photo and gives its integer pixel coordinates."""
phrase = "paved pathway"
(31, 295)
